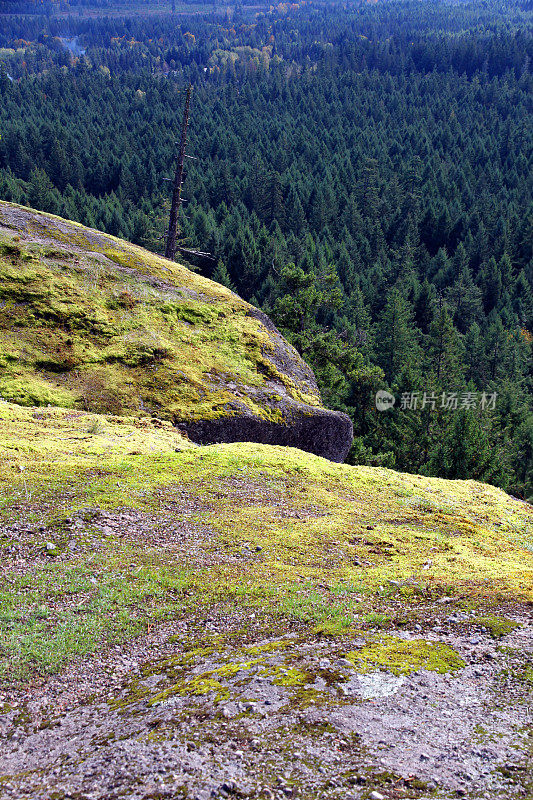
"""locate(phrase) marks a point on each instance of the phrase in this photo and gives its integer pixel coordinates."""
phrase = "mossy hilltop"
(91, 322)
(168, 611)
(307, 538)
(271, 527)
(200, 605)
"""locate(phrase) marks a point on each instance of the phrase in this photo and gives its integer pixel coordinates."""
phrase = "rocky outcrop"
(291, 424)
(91, 322)
(324, 433)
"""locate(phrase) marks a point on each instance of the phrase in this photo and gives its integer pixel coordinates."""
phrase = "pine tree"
(466, 450)
(396, 341)
(425, 306)
(477, 368)
(491, 284)
(41, 192)
(295, 217)
(246, 261)
(221, 275)
(445, 351)
(522, 460)
(465, 300)
(274, 202)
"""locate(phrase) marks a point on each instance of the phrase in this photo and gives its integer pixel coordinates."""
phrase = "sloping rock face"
(320, 431)
(88, 321)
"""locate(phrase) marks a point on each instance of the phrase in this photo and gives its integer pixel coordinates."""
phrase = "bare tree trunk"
(172, 235)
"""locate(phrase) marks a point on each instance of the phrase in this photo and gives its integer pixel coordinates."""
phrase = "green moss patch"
(402, 657)
(496, 626)
(34, 391)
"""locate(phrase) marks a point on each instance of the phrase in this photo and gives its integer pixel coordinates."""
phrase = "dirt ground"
(272, 716)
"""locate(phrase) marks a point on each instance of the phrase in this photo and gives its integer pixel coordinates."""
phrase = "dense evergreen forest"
(364, 174)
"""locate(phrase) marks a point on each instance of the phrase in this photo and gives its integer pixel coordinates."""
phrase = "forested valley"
(363, 174)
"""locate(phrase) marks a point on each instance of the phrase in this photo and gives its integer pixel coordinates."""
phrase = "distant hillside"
(91, 322)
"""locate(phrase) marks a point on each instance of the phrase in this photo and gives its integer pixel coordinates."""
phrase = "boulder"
(91, 322)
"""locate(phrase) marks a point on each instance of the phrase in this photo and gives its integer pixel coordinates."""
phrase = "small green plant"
(377, 620)
(96, 427)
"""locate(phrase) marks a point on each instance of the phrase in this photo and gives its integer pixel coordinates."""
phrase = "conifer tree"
(221, 275)
(395, 336)
(445, 351)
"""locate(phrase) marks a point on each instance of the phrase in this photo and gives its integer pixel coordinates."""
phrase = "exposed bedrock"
(316, 430)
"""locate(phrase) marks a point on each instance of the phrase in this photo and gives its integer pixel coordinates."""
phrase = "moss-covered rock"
(91, 322)
(148, 526)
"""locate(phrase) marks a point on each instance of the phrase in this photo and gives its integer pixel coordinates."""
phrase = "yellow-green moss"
(403, 656)
(332, 628)
(269, 647)
(206, 682)
(230, 670)
(32, 391)
(496, 626)
(199, 685)
(287, 675)
(98, 324)
(276, 530)
(49, 436)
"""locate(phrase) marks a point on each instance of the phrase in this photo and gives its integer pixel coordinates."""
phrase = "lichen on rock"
(91, 322)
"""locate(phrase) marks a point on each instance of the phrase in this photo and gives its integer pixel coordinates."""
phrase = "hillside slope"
(243, 620)
(91, 322)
